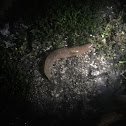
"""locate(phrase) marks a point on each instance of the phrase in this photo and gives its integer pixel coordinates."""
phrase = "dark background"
(18, 8)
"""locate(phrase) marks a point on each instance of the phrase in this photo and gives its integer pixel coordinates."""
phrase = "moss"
(74, 22)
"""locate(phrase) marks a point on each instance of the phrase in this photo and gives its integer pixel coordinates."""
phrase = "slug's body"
(63, 53)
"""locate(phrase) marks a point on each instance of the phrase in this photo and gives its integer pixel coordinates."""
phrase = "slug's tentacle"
(63, 53)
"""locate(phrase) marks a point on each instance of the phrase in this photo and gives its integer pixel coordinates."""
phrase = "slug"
(63, 53)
